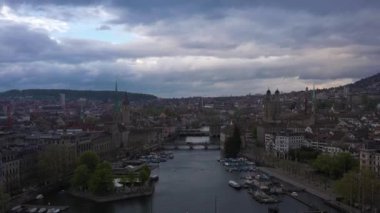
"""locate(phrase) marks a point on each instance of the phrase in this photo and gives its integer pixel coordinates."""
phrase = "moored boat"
(154, 177)
(32, 210)
(16, 209)
(39, 197)
(234, 184)
(42, 210)
(262, 197)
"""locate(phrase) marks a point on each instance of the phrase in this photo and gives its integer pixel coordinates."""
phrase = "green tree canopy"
(232, 144)
(359, 187)
(81, 177)
(304, 154)
(130, 177)
(101, 181)
(55, 161)
(335, 166)
(90, 159)
(144, 173)
(4, 199)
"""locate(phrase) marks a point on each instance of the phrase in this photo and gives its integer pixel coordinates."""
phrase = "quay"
(147, 191)
(328, 199)
(47, 207)
(306, 203)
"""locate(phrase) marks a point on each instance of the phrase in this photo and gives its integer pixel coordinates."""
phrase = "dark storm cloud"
(198, 47)
(154, 9)
(18, 43)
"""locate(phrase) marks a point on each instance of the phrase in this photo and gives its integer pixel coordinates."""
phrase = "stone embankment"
(122, 195)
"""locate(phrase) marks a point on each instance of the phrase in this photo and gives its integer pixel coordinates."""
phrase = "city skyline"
(182, 49)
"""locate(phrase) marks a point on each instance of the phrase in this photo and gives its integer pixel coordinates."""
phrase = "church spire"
(313, 99)
(116, 104)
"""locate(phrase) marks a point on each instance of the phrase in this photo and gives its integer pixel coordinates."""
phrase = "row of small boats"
(262, 197)
(157, 157)
(260, 186)
(238, 165)
(21, 209)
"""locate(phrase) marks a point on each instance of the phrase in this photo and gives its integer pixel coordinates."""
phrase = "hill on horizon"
(75, 94)
(368, 83)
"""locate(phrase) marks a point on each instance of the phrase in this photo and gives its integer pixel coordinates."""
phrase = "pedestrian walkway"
(330, 198)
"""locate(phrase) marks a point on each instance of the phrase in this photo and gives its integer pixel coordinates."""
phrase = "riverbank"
(137, 192)
(328, 198)
(192, 182)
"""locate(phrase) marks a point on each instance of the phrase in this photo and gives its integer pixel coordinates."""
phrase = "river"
(191, 182)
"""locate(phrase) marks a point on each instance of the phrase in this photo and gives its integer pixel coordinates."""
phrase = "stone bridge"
(191, 146)
(192, 132)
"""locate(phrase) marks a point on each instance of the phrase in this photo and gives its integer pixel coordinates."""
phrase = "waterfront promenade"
(139, 192)
(329, 197)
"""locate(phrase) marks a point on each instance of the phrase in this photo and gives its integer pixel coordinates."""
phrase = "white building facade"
(282, 143)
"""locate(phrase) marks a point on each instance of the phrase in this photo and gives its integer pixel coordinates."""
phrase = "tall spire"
(313, 99)
(116, 104)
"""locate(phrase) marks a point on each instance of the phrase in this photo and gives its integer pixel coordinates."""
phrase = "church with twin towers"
(129, 138)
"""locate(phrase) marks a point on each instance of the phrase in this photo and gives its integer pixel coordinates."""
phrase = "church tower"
(268, 106)
(125, 110)
(276, 105)
(272, 106)
(116, 106)
(314, 104)
(306, 101)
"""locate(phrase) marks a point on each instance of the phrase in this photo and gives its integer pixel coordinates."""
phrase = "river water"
(191, 182)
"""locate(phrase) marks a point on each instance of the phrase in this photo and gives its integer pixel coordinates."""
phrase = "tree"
(359, 187)
(4, 199)
(131, 176)
(335, 166)
(304, 154)
(254, 133)
(90, 159)
(55, 162)
(348, 187)
(323, 163)
(369, 185)
(232, 144)
(344, 162)
(144, 173)
(81, 177)
(101, 181)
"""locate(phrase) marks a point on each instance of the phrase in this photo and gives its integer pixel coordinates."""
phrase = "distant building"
(10, 169)
(370, 158)
(63, 100)
(281, 143)
(325, 147)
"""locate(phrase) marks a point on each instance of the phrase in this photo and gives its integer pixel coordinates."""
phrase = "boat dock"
(30, 206)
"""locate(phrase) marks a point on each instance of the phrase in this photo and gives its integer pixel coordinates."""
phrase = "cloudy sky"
(178, 48)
